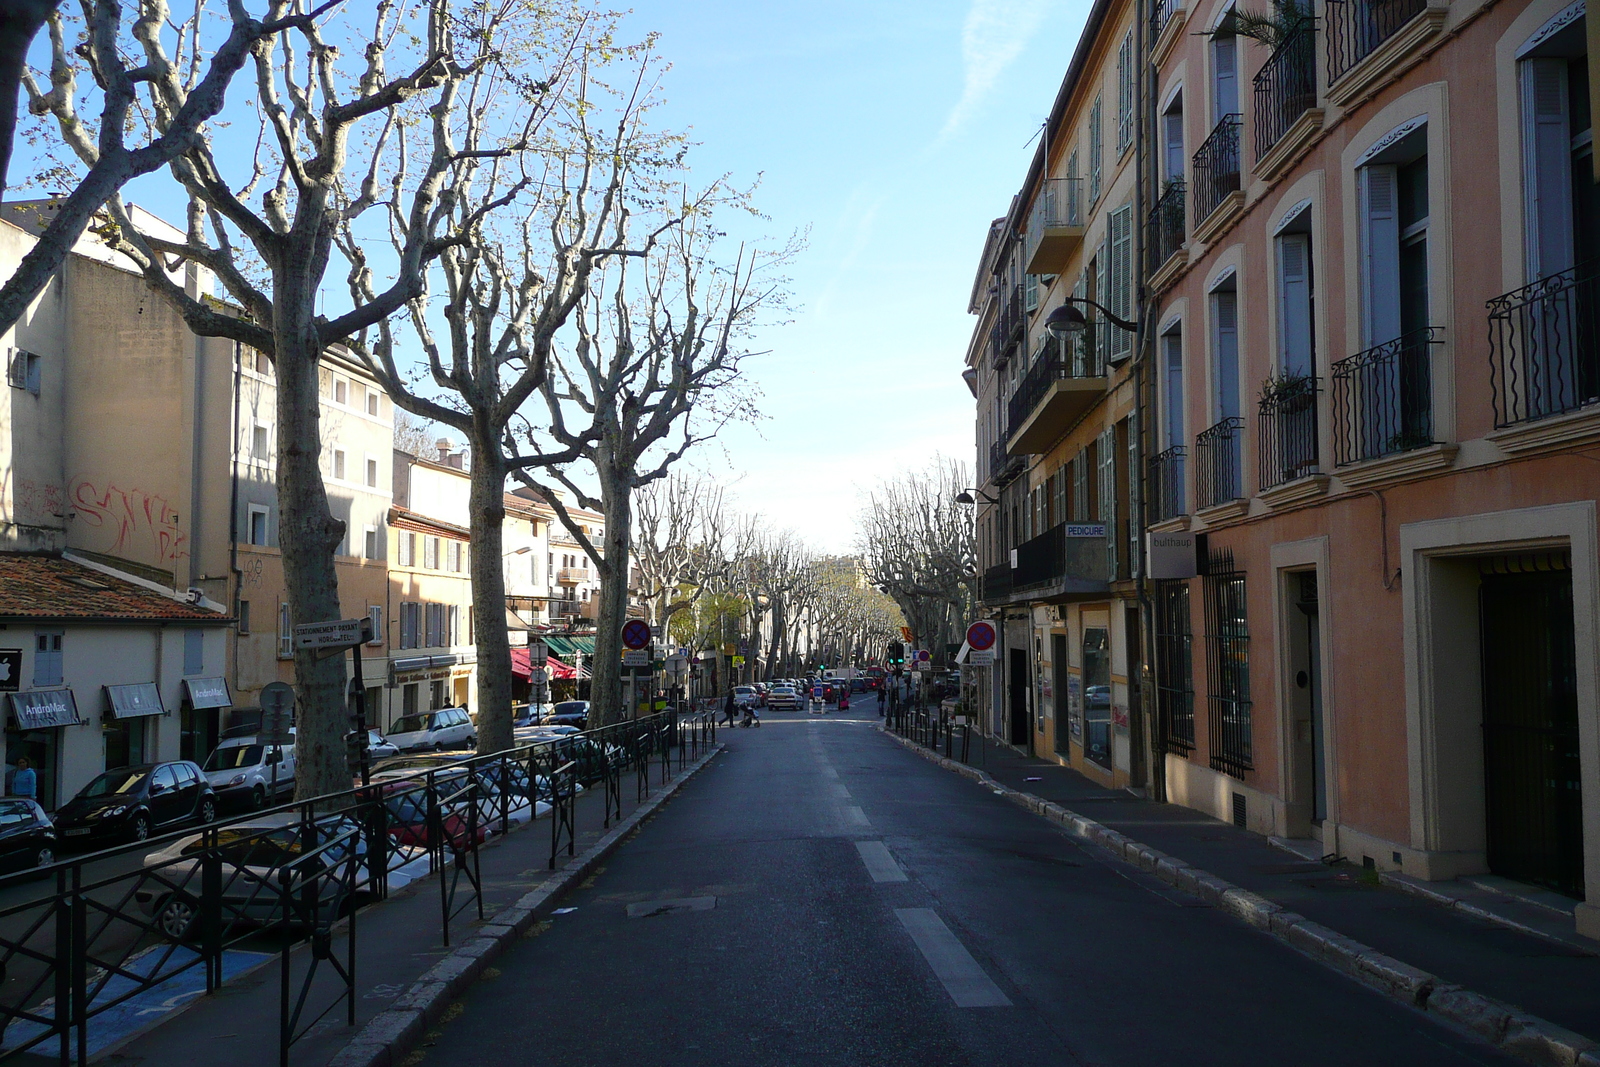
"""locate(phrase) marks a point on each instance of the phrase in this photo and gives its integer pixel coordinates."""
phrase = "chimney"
(443, 445)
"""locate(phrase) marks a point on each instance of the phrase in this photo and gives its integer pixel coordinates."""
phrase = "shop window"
(1228, 670)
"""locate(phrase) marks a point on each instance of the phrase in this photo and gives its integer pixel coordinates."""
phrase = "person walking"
(24, 782)
(882, 696)
(728, 709)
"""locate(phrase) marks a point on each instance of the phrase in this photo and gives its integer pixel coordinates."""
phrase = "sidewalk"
(1556, 981)
(399, 940)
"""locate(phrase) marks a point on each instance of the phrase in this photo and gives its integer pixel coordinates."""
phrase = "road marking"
(830, 772)
(854, 815)
(952, 964)
(841, 792)
(880, 863)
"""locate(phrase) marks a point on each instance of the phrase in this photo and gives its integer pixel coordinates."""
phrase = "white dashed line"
(879, 862)
(952, 964)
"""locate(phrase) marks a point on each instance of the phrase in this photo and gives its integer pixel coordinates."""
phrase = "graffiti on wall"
(133, 523)
(35, 503)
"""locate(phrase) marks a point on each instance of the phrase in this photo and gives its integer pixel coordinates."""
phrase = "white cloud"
(994, 34)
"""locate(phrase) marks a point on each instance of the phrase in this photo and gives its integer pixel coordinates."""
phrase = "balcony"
(997, 583)
(1055, 227)
(1167, 229)
(1003, 466)
(1286, 94)
(1288, 426)
(1216, 168)
(1160, 12)
(1217, 467)
(1006, 332)
(1383, 398)
(1356, 28)
(1544, 347)
(1057, 391)
(1066, 560)
(1166, 484)
(572, 575)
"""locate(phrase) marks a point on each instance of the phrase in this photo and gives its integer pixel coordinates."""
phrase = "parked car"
(744, 696)
(527, 714)
(1097, 696)
(568, 713)
(131, 803)
(27, 839)
(783, 698)
(436, 730)
(380, 747)
(243, 771)
(253, 856)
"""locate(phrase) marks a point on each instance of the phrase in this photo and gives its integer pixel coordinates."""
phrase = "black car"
(27, 839)
(568, 713)
(131, 803)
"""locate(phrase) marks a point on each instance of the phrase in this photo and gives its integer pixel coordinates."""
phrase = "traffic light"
(897, 652)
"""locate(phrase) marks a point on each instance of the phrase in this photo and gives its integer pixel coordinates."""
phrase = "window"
(410, 624)
(285, 633)
(1030, 292)
(244, 616)
(261, 443)
(372, 473)
(341, 391)
(408, 699)
(1127, 104)
(1174, 665)
(1172, 406)
(338, 464)
(1224, 75)
(408, 548)
(434, 624)
(455, 556)
(48, 668)
(371, 543)
(1119, 294)
(436, 697)
(1557, 144)
(1106, 499)
(372, 402)
(1228, 670)
(430, 553)
(194, 652)
(1394, 207)
(257, 532)
(1095, 150)
(1295, 299)
(1225, 350)
(452, 629)
(26, 371)
(375, 617)
(1172, 139)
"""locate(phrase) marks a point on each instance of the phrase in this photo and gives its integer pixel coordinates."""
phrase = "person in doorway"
(728, 709)
(24, 782)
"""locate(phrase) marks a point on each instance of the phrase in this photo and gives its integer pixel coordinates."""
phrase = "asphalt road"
(820, 895)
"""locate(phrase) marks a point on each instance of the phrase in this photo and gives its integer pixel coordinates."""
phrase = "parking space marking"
(880, 864)
(952, 964)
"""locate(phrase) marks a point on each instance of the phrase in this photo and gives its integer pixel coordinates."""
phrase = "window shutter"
(1294, 303)
(1547, 167)
(1125, 93)
(1225, 98)
(1225, 361)
(1382, 254)
(1096, 147)
(1102, 293)
(1030, 291)
(1121, 294)
(1106, 452)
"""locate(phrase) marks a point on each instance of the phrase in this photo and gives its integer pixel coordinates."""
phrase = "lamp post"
(968, 497)
(1068, 318)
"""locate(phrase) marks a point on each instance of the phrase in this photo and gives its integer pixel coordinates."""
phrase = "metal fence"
(1003, 466)
(1355, 28)
(1166, 225)
(1166, 479)
(1287, 422)
(1217, 469)
(1544, 346)
(290, 876)
(1286, 86)
(1383, 398)
(1216, 167)
(1174, 666)
(1228, 700)
(997, 583)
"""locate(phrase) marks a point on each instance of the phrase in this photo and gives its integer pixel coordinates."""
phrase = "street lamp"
(966, 497)
(1067, 318)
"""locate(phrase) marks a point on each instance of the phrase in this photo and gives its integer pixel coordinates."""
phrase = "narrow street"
(819, 894)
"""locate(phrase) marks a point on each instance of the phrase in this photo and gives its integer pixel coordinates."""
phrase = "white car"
(745, 696)
(243, 770)
(783, 697)
(433, 731)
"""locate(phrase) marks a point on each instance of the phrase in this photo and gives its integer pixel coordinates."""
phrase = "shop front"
(34, 730)
(125, 726)
(200, 717)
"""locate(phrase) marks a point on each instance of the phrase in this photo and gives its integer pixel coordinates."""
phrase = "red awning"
(561, 670)
(519, 663)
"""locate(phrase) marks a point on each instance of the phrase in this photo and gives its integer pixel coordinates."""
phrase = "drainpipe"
(236, 575)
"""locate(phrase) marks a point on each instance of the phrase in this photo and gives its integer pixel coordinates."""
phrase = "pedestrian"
(727, 709)
(24, 782)
(881, 697)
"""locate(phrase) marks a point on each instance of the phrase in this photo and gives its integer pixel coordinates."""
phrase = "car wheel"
(176, 918)
(45, 857)
(141, 827)
(258, 797)
(438, 746)
(208, 810)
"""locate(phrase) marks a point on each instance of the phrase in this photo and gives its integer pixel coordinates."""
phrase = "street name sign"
(340, 633)
(636, 634)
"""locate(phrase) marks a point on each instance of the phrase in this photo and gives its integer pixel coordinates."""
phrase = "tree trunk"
(307, 536)
(487, 496)
(616, 501)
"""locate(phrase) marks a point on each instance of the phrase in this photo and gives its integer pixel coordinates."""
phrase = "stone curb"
(1508, 1028)
(392, 1033)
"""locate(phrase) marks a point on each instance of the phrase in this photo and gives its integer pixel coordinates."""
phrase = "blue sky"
(896, 131)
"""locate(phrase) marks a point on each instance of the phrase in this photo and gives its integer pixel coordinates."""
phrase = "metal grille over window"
(1227, 668)
(1216, 456)
(1167, 224)
(1175, 665)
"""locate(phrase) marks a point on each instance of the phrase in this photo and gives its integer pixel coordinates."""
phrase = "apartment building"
(1374, 363)
(1058, 517)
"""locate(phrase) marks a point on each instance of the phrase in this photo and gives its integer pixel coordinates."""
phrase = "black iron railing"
(1355, 28)
(1167, 225)
(1174, 665)
(1228, 702)
(1062, 552)
(1054, 365)
(997, 583)
(1383, 398)
(1288, 426)
(1216, 167)
(1166, 483)
(1217, 467)
(1286, 86)
(1160, 12)
(1544, 346)
(1006, 332)
(1003, 466)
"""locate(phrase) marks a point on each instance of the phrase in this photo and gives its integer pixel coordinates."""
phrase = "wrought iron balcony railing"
(1286, 86)
(1355, 28)
(1082, 357)
(1216, 167)
(1167, 228)
(1217, 468)
(1006, 332)
(1288, 426)
(1002, 465)
(1167, 485)
(997, 583)
(1068, 555)
(1383, 398)
(1544, 346)
(1160, 12)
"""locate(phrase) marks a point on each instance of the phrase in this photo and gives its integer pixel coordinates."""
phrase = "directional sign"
(980, 635)
(636, 634)
(341, 633)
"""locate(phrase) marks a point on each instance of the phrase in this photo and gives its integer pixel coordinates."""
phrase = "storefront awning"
(520, 663)
(38, 711)
(208, 693)
(131, 701)
(562, 645)
(516, 623)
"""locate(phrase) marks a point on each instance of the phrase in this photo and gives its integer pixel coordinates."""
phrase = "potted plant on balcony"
(1271, 28)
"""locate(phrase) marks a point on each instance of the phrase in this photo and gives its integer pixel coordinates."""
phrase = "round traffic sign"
(636, 634)
(980, 635)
